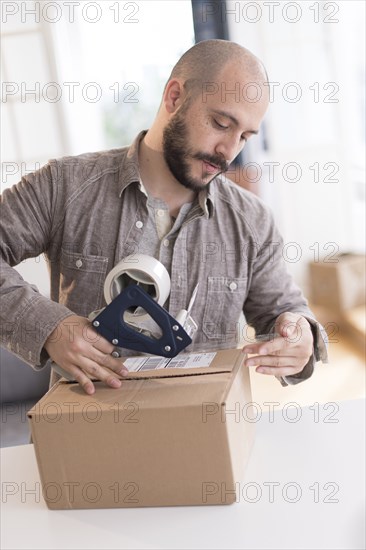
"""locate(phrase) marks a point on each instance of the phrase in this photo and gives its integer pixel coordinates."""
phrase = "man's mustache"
(216, 160)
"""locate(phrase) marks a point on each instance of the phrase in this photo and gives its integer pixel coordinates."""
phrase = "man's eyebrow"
(233, 119)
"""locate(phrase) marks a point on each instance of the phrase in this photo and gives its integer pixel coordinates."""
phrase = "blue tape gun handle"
(111, 325)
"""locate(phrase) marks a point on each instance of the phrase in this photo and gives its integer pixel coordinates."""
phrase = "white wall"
(33, 128)
(319, 47)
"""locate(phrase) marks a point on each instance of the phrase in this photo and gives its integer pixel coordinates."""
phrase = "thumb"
(286, 325)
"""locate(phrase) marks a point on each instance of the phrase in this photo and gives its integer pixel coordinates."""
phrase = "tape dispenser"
(135, 291)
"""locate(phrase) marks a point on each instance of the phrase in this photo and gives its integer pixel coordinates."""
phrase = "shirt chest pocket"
(82, 281)
(224, 303)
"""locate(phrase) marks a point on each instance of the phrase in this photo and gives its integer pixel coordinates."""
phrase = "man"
(165, 196)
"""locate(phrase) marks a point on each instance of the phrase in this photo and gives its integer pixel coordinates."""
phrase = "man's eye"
(218, 125)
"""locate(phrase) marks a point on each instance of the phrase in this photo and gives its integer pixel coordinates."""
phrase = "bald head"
(206, 60)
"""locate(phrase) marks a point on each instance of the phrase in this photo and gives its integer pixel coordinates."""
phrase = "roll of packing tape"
(139, 269)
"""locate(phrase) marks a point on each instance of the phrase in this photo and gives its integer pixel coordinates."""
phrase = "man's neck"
(157, 178)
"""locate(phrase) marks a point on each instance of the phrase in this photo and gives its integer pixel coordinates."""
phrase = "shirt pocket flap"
(82, 262)
(225, 300)
(82, 281)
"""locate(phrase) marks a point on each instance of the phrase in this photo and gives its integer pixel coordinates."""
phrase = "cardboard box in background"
(338, 285)
(173, 436)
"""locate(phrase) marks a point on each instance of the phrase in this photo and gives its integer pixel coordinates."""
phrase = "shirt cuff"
(26, 336)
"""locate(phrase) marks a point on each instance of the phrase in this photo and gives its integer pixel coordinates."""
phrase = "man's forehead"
(239, 81)
(234, 91)
(237, 90)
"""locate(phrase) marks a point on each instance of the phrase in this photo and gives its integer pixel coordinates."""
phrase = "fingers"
(106, 360)
(99, 342)
(94, 370)
(295, 336)
(277, 365)
(278, 358)
(276, 345)
(92, 337)
(271, 361)
(101, 353)
(286, 354)
(87, 369)
(95, 363)
(81, 378)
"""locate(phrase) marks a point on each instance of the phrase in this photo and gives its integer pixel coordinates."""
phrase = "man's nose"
(228, 148)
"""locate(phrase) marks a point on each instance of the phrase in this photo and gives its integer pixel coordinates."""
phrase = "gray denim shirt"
(85, 213)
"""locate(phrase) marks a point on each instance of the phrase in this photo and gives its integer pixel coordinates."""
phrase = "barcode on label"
(178, 362)
(192, 360)
(154, 363)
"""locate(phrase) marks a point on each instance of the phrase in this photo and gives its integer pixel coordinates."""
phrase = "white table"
(308, 461)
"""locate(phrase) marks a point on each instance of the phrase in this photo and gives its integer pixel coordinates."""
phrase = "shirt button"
(233, 286)
(166, 242)
(139, 224)
(78, 263)
(160, 213)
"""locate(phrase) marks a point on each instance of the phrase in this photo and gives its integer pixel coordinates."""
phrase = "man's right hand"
(78, 349)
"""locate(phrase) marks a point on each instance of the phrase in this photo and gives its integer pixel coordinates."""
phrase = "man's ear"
(173, 95)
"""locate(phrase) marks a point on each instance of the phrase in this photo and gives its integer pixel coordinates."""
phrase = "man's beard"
(177, 154)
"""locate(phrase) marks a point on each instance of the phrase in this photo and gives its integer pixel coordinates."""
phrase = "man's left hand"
(288, 352)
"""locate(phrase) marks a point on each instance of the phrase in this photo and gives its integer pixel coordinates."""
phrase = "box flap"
(184, 364)
(215, 362)
(186, 387)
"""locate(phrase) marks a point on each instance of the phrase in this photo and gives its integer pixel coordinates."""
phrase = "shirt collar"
(129, 169)
(129, 173)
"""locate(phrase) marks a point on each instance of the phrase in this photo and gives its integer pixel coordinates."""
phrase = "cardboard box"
(173, 436)
(338, 284)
